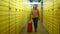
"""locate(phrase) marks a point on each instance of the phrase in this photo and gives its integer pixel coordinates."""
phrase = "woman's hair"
(35, 6)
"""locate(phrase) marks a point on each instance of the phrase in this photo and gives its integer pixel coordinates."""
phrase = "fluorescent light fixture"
(34, 2)
(30, 3)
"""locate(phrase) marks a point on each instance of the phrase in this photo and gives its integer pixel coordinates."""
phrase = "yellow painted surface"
(51, 17)
(13, 16)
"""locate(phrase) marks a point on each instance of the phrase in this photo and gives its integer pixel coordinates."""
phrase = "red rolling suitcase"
(29, 26)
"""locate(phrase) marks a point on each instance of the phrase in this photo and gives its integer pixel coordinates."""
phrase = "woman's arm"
(38, 14)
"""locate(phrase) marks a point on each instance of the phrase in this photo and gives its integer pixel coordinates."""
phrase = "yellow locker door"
(12, 17)
(4, 17)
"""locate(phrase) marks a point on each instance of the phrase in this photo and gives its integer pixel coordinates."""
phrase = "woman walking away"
(35, 16)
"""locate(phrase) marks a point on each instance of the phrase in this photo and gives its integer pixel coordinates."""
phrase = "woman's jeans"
(35, 20)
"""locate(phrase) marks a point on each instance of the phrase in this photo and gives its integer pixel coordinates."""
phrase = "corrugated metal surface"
(51, 17)
(13, 16)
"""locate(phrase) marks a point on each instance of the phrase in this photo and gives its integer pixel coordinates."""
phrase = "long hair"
(35, 6)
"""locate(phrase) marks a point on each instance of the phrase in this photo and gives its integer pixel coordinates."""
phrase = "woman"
(35, 16)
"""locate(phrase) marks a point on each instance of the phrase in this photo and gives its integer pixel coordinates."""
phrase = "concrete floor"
(41, 30)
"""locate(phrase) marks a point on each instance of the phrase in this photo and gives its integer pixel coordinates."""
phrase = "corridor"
(15, 14)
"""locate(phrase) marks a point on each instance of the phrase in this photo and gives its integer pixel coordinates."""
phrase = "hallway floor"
(41, 30)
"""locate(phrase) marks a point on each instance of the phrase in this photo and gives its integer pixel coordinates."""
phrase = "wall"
(13, 16)
(51, 17)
